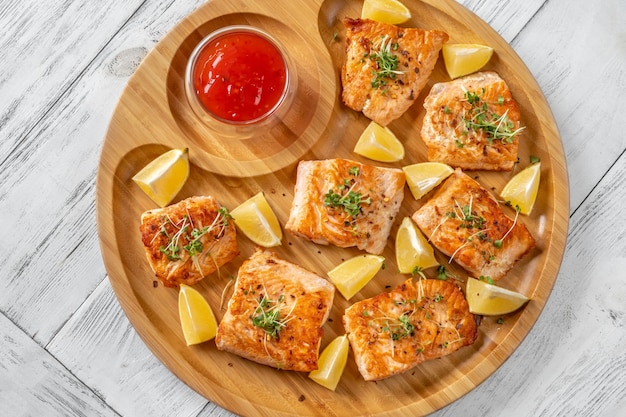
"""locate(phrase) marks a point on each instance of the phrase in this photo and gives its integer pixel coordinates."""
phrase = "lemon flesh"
(490, 300)
(465, 58)
(352, 275)
(521, 190)
(385, 11)
(380, 144)
(196, 317)
(256, 219)
(331, 363)
(412, 249)
(165, 176)
(425, 176)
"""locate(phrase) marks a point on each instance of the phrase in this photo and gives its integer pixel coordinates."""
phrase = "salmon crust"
(385, 98)
(189, 240)
(396, 331)
(301, 302)
(464, 221)
(345, 203)
(450, 128)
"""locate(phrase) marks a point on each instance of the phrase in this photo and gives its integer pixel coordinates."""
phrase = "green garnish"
(498, 243)
(386, 63)
(267, 316)
(399, 328)
(487, 279)
(442, 273)
(469, 218)
(187, 232)
(418, 271)
(495, 126)
(345, 197)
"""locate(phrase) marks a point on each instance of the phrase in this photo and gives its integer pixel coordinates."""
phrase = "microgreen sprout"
(487, 279)
(267, 315)
(498, 242)
(495, 126)
(346, 197)
(399, 327)
(187, 237)
(386, 63)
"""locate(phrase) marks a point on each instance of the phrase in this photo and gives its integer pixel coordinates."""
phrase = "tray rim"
(105, 214)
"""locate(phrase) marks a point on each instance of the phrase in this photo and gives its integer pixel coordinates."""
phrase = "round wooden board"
(153, 116)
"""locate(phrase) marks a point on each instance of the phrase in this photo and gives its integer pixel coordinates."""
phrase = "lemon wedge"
(412, 249)
(425, 176)
(465, 58)
(521, 190)
(490, 300)
(165, 176)
(352, 275)
(380, 144)
(256, 219)
(385, 11)
(331, 363)
(196, 317)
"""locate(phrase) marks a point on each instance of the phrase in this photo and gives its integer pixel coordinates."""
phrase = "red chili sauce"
(239, 76)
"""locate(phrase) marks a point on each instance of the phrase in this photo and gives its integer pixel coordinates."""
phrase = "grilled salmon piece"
(386, 67)
(464, 221)
(472, 123)
(393, 332)
(345, 203)
(188, 240)
(276, 314)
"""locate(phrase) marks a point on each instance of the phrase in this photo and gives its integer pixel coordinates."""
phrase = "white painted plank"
(101, 348)
(506, 17)
(33, 383)
(584, 79)
(46, 178)
(45, 47)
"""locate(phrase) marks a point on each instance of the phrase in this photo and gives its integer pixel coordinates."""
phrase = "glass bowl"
(240, 79)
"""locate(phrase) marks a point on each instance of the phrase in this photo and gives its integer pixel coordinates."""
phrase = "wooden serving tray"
(153, 116)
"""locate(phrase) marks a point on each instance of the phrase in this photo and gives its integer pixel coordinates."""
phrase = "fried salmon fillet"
(345, 203)
(188, 240)
(464, 221)
(472, 123)
(276, 314)
(396, 331)
(386, 67)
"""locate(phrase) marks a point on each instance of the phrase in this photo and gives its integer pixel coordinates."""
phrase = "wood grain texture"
(232, 175)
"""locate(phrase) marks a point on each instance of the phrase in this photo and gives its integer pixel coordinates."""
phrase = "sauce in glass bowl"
(238, 75)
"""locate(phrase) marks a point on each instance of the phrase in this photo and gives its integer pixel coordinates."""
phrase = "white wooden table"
(66, 347)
